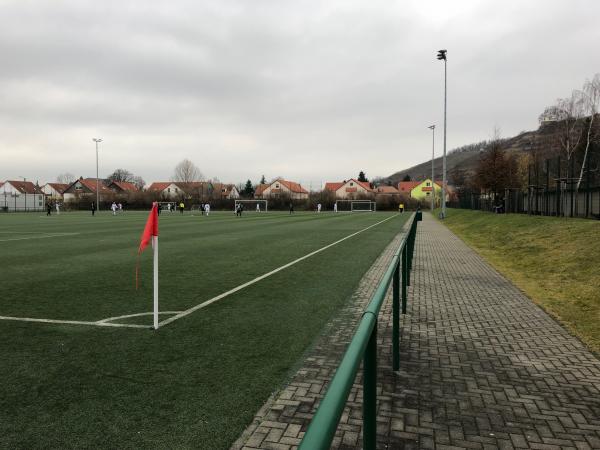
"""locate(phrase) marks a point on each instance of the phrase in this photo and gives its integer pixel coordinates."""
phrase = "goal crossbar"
(358, 205)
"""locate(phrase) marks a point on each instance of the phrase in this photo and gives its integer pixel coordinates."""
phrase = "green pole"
(404, 276)
(370, 393)
(396, 319)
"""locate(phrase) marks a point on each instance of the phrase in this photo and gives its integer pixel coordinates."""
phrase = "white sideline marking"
(47, 235)
(127, 316)
(98, 323)
(262, 277)
(72, 322)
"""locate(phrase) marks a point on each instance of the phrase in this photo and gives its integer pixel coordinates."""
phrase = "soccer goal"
(252, 205)
(168, 206)
(356, 205)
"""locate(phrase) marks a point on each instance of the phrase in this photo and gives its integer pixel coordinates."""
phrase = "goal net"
(252, 205)
(168, 206)
(356, 205)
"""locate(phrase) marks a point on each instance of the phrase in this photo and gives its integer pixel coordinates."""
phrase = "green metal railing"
(322, 428)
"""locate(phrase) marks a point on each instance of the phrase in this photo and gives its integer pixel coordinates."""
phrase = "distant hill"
(466, 158)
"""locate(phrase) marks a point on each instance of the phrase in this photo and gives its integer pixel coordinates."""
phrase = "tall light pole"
(97, 140)
(432, 128)
(442, 55)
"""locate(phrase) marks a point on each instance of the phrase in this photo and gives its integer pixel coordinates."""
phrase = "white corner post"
(155, 246)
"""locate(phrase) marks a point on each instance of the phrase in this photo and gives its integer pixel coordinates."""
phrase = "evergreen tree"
(248, 189)
(362, 176)
(263, 180)
(406, 178)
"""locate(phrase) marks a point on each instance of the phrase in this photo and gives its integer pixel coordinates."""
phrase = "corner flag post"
(150, 235)
(155, 238)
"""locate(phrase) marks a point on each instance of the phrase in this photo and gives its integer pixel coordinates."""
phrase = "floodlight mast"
(442, 56)
(97, 140)
(432, 128)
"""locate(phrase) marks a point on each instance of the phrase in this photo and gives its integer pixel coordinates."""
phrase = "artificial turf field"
(196, 382)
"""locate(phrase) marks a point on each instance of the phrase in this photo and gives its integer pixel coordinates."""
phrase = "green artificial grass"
(197, 382)
(553, 260)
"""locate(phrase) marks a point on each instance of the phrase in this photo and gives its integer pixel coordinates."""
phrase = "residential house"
(21, 196)
(386, 191)
(54, 191)
(122, 187)
(405, 187)
(202, 190)
(350, 189)
(168, 190)
(86, 187)
(422, 190)
(281, 187)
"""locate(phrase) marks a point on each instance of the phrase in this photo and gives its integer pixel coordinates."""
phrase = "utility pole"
(97, 140)
(442, 56)
(432, 128)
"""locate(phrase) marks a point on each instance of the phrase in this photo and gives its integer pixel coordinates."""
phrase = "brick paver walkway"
(481, 367)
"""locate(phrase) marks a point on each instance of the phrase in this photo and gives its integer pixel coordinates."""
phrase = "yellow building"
(423, 190)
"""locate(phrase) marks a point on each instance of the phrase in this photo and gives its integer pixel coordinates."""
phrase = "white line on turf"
(39, 237)
(72, 322)
(262, 277)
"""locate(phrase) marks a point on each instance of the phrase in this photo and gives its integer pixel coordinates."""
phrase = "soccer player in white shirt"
(319, 208)
(258, 207)
(207, 208)
(114, 208)
(335, 207)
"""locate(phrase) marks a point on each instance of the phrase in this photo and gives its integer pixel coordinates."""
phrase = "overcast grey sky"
(310, 90)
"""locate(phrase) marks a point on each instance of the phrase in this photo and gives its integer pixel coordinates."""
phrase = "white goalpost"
(356, 205)
(252, 205)
(164, 206)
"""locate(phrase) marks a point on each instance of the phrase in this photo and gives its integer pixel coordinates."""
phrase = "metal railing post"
(404, 277)
(396, 318)
(370, 393)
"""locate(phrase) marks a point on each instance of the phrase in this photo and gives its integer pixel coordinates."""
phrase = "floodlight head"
(97, 139)
(441, 54)
(431, 127)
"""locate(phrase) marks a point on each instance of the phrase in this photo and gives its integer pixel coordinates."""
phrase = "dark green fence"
(363, 346)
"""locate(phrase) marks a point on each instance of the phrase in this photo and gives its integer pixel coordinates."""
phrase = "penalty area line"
(189, 311)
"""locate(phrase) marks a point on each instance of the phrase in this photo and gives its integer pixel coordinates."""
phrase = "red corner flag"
(150, 233)
(151, 228)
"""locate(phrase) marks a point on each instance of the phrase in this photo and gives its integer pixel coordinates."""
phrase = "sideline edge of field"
(180, 314)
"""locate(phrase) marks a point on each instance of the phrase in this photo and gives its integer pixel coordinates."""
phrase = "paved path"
(481, 366)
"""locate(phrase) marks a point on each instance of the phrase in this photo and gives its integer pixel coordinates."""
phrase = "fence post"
(396, 318)
(370, 392)
(404, 275)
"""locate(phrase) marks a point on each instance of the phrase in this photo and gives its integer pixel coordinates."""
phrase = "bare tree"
(495, 169)
(570, 114)
(139, 182)
(65, 178)
(186, 172)
(121, 175)
(591, 101)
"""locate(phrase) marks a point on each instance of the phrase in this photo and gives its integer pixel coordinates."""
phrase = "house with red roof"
(54, 191)
(122, 187)
(386, 190)
(281, 187)
(203, 190)
(21, 196)
(350, 189)
(86, 187)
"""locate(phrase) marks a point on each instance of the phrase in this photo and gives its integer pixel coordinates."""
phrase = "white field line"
(262, 277)
(72, 322)
(45, 236)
